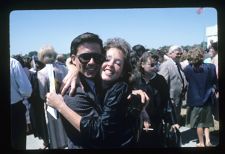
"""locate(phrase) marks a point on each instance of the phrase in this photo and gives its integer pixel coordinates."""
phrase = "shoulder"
(210, 65)
(14, 63)
(159, 77)
(118, 89)
(43, 70)
(188, 67)
(119, 86)
(167, 64)
(59, 66)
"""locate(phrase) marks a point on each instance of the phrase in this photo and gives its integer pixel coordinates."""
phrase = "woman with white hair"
(56, 132)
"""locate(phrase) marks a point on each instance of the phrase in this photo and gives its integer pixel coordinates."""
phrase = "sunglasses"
(153, 64)
(86, 57)
(179, 54)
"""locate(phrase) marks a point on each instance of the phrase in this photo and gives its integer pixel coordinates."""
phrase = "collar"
(148, 80)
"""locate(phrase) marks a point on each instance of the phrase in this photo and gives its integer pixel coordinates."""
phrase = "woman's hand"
(54, 100)
(144, 96)
(70, 79)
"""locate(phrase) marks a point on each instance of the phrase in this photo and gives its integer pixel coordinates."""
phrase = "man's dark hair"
(85, 37)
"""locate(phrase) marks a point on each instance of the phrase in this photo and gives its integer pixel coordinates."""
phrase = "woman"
(111, 124)
(145, 77)
(201, 78)
(56, 133)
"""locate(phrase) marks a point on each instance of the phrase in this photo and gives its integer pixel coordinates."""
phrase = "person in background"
(154, 115)
(37, 112)
(139, 49)
(60, 59)
(56, 132)
(162, 57)
(133, 58)
(20, 90)
(184, 59)
(171, 70)
(213, 58)
(201, 79)
(213, 52)
(98, 111)
(26, 66)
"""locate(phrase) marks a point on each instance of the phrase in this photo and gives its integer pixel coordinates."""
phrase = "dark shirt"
(201, 82)
(158, 92)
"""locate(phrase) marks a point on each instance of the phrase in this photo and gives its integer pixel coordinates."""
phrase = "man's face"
(89, 59)
(176, 55)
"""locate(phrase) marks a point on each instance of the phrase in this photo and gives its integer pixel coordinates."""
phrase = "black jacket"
(105, 121)
(159, 107)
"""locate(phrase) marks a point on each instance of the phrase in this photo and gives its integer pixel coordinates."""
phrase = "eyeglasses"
(179, 53)
(86, 57)
(152, 64)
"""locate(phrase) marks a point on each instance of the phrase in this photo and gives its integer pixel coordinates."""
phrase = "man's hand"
(54, 100)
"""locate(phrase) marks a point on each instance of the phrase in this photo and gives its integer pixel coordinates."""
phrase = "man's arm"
(58, 103)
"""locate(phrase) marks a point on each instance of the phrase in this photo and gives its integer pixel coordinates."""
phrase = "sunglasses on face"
(86, 57)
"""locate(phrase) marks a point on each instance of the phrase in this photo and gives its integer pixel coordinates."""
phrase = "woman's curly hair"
(196, 56)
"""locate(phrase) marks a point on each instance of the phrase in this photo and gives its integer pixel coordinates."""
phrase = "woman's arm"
(70, 79)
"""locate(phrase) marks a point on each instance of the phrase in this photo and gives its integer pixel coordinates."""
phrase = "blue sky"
(151, 27)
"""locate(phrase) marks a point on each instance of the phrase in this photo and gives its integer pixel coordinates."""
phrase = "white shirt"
(20, 85)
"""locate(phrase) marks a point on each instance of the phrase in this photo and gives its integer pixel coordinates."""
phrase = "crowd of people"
(111, 95)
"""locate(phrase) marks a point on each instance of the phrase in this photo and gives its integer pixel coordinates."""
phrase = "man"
(20, 90)
(87, 54)
(172, 72)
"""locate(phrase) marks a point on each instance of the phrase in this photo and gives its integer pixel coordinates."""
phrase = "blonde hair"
(195, 56)
(47, 54)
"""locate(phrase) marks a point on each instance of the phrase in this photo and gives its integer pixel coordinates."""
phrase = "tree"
(33, 53)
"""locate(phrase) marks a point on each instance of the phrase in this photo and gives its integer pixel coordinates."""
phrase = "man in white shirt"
(20, 89)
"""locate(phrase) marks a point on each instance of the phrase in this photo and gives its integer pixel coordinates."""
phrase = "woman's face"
(149, 66)
(212, 52)
(112, 68)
